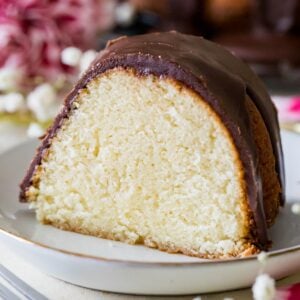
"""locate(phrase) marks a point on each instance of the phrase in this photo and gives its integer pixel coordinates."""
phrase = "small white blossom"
(35, 130)
(12, 102)
(262, 257)
(9, 79)
(71, 56)
(296, 208)
(264, 288)
(86, 59)
(124, 14)
(42, 102)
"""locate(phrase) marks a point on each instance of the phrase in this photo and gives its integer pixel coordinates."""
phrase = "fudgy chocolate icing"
(216, 75)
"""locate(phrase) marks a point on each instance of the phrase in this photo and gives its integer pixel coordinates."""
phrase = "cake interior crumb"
(145, 160)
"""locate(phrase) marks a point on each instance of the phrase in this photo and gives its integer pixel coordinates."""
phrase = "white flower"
(42, 102)
(124, 13)
(71, 56)
(262, 257)
(9, 79)
(86, 59)
(296, 208)
(35, 130)
(12, 102)
(264, 288)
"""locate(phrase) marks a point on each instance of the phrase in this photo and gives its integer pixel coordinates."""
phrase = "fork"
(23, 288)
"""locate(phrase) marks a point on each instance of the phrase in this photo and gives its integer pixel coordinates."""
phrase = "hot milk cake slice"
(169, 141)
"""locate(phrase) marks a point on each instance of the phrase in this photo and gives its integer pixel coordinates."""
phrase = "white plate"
(117, 267)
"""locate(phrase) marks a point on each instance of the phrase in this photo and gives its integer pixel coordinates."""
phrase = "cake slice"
(169, 141)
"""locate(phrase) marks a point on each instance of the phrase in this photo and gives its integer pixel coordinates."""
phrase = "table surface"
(52, 288)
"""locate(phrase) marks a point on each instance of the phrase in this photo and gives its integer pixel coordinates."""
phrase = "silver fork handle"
(6, 294)
(22, 287)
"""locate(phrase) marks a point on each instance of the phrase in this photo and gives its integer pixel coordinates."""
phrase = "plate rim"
(22, 239)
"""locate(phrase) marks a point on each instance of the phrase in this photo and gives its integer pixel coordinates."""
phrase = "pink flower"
(34, 32)
(289, 293)
(288, 108)
(295, 105)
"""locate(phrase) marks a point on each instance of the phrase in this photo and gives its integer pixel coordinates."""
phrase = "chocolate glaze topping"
(216, 75)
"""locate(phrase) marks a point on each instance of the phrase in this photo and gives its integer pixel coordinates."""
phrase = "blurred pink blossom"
(288, 107)
(34, 32)
(289, 293)
(295, 105)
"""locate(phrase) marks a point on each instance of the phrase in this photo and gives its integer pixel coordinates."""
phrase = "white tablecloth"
(56, 289)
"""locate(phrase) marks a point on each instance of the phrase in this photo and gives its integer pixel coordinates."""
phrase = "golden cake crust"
(270, 182)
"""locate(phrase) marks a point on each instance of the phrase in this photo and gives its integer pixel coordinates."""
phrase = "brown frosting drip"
(216, 75)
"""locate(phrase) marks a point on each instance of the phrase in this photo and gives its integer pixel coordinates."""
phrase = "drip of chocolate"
(218, 77)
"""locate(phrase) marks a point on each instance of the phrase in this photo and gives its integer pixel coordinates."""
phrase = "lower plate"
(117, 267)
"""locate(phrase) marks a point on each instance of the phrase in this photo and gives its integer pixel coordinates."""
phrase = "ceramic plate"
(117, 267)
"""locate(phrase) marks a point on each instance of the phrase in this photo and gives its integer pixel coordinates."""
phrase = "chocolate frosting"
(216, 75)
